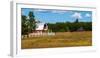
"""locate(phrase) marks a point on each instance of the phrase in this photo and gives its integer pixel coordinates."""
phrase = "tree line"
(70, 26)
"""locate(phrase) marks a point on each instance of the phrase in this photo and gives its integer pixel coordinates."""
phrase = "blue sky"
(53, 16)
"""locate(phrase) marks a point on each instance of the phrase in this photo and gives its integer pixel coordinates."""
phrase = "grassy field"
(61, 39)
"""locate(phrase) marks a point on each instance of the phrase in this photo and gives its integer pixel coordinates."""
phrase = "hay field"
(61, 39)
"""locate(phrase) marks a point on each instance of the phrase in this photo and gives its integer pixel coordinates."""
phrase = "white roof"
(40, 26)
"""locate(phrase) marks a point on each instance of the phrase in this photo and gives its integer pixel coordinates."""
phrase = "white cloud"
(77, 15)
(39, 10)
(52, 11)
(87, 15)
(58, 11)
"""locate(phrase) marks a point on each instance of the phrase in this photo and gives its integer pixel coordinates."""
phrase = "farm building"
(41, 27)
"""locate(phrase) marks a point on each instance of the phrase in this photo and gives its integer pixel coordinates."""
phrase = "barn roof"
(40, 26)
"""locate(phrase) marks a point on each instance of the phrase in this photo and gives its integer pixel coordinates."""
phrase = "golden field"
(61, 39)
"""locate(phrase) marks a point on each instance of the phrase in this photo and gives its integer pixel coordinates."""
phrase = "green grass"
(61, 39)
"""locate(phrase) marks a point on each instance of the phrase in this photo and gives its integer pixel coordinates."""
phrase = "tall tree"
(32, 21)
(31, 16)
(77, 20)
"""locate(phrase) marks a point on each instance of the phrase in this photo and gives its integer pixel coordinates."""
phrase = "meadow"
(60, 39)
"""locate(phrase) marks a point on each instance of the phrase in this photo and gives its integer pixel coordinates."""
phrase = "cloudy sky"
(53, 16)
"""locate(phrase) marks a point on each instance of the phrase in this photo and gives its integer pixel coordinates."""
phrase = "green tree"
(24, 25)
(77, 20)
(28, 24)
(32, 24)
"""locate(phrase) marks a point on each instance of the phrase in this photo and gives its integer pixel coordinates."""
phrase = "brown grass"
(61, 39)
